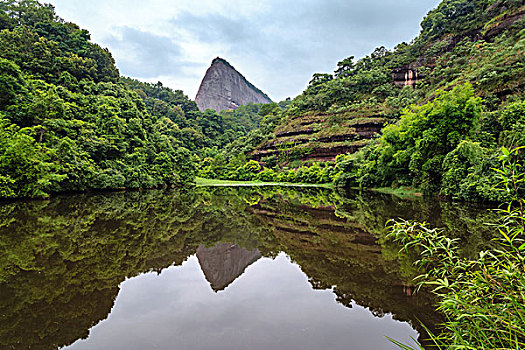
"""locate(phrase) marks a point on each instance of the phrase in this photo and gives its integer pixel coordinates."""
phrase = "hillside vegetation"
(70, 122)
(443, 104)
(430, 114)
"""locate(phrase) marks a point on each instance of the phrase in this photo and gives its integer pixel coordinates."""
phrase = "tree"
(320, 78)
(345, 67)
(46, 105)
(12, 84)
(415, 147)
(28, 167)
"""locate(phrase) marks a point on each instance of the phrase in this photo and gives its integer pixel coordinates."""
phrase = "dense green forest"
(70, 122)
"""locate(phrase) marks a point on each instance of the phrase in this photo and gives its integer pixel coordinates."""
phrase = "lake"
(221, 268)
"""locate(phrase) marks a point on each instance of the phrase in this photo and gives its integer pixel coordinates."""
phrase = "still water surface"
(273, 306)
(215, 268)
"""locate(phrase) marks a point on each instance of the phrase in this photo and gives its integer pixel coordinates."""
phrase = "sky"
(276, 44)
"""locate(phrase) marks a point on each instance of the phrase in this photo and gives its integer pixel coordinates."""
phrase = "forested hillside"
(444, 103)
(431, 114)
(69, 122)
(204, 133)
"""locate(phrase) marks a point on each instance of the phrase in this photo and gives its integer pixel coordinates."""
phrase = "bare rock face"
(406, 76)
(224, 88)
(223, 263)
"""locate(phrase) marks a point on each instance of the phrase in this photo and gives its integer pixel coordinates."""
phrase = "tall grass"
(483, 299)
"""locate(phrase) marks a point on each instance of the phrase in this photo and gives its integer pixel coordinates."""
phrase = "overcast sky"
(276, 44)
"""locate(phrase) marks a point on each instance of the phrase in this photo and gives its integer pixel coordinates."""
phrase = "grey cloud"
(145, 55)
(214, 27)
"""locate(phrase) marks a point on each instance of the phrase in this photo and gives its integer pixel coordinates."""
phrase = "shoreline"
(202, 182)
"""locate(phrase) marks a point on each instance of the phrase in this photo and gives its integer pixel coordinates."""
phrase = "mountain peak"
(223, 87)
(218, 59)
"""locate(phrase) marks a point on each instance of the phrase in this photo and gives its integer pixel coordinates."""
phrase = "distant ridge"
(223, 88)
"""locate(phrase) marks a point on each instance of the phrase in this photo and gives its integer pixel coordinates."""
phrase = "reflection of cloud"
(276, 44)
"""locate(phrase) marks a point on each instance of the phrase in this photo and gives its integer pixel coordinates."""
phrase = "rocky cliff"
(224, 88)
(345, 111)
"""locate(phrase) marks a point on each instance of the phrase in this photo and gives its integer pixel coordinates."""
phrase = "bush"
(267, 175)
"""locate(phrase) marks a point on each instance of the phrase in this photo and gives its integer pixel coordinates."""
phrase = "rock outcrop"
(223, 263)
(406, 76)
(319, 136)
(224, 88)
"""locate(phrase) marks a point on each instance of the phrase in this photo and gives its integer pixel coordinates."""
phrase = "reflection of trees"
(63, 259)
(341, 254)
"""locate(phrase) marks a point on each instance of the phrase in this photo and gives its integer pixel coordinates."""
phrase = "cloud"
(276, 44)
(143, 54)
(215, 27)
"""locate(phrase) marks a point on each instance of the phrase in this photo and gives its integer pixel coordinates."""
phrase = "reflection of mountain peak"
(225, 262)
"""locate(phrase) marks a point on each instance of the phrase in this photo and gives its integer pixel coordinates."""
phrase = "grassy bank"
(202, 182)
(401, 192)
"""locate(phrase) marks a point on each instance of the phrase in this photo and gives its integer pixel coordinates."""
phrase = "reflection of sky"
(271, 306)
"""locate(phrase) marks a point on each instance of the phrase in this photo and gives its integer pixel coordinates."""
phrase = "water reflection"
(65, 261)
(272, 306)
(225, 262)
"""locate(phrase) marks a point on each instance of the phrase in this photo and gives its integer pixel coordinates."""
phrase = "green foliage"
(351, 85)
(11, 83)
(457, 16)
(247, 116)
(468, 54)
(412, 151)
(27, 167)
(513, 121)
(347, 170)
(483, 297)
(467, 174)
(160, 98)
(203, 133)
(239, 169)
(44, 46)
(432, 148)
(67, 124)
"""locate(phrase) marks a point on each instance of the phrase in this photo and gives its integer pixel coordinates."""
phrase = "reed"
(483, 299)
